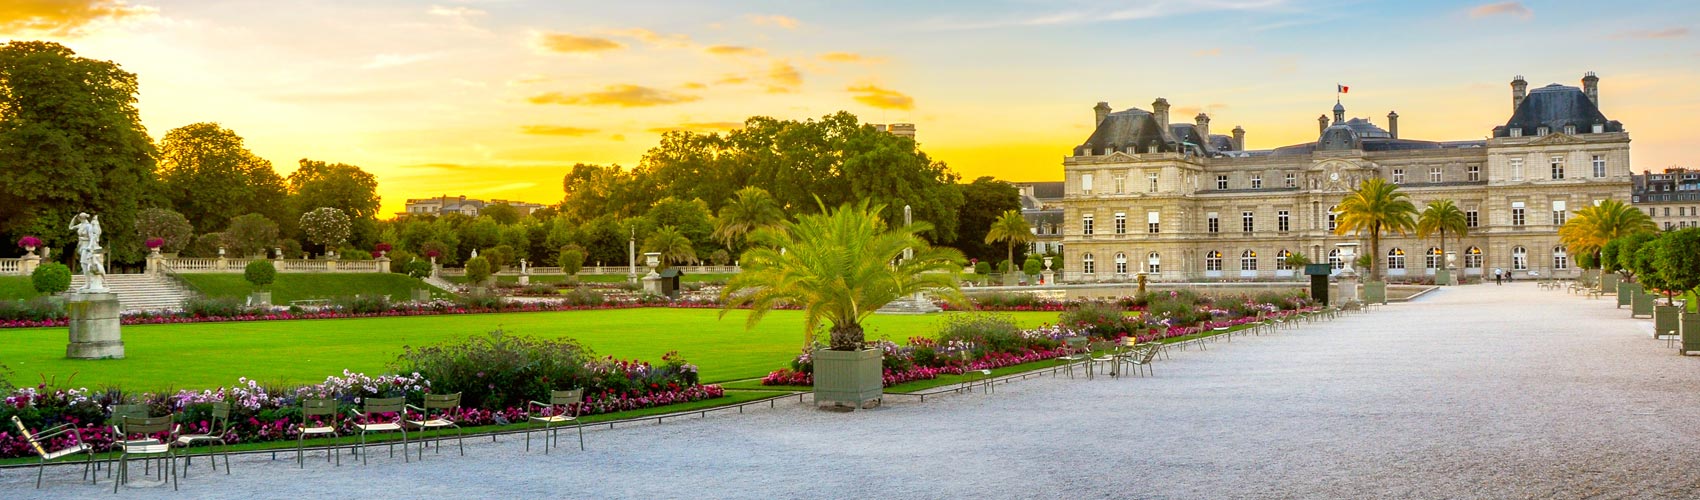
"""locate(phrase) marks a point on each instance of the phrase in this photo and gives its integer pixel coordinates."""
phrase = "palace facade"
(1171, 199)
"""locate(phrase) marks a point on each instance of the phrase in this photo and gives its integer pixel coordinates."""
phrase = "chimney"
(1203, 122)
(1239, 138)
(1321, 124)
(1591, 86)
(1099, 113)
(1519, 90)
(1160, 111)
(1393, 124)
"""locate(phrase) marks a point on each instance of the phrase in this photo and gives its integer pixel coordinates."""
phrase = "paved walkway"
(1480, 391)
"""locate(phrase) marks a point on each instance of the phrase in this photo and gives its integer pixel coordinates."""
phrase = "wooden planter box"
(1375, 291)
(1609, 282)
(260, 298)
(1626, 292)
(1641, 305)
(1690, 332)
(420, 295)
(1665, 322)
(848, 378)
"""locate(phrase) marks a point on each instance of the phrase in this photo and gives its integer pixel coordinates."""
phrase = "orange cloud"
(1513, 9)
(1653, 34)
(566, 43)
(881, 97)
(699, 127)
(733, 50)
(1210, 52)
(849, 57)
(783, 78)
(731, 80)
(63, 17)
(694, 85)
(653, 38)
(622, 95)
(556, 130)
(786, 22)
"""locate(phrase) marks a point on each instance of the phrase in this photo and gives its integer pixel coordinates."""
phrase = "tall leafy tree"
(750, 209)
(838, 266)
(502, 213)
(1628, 253)
(690, 218)
(326, 227)
(71, 141)
(1012, 229)
(317, 184)
(1373, 209)
(1440, 216)
(674, 247)
(1678, 260)
(983, 201)
(1593, 226)
(211, 178)
(167, 225)
(250, 235)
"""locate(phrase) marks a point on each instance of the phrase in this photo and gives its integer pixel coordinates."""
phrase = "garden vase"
(1626, 291)
(1690, 332)
(1375, 291)
(850, 378)
(1641, 305)
(1665, 320)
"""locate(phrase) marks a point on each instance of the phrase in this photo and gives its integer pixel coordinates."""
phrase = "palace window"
(1516, 169)
(1152, 220)
(1153, 263)
(1396, 258)
(1152, 179)
(1570, 129)
(1517, 213)
(1557, 167)
(1121, 263)
(1292, 180)
(1542, 131)
(1334, 261)
(1333, 213)
(1475, 172)
(1283, 221)
(1473, 258)
(1599, 166)
(1248, 260)
(1121, 184)
(1121, 223)
(1245, 221)
(1221, 182)
(1086, 224)
(1432, 258)
(1213, 261)
(1519, 259)
(1213, 223)
(1256, 181)
(1086, 183)
(1558, 212)
(1281, 263)
(1434, 174)
(1470, 218)
(1560, 259)
(1398, 176)
(1517, 132)
(1086, 263)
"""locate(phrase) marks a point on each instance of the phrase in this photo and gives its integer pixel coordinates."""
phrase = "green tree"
(204, 246)
(690, 218)
(502, 213)
(983, 202)
(1032, 266)
(750, 209)
(250, 236)
(595, 190)
(211, 178)
(675, 248)
(838, 266)
(1298, 260)
(477, 271)
(260, 273)
(167, 225)
(1593, 226)
(1629, 250)
(1012, 229)
(480, 233)
(1678, 260)
(326, 227)
(341, 186)
(51, 278)
(1440, 216)
(71, 141)
(1376, 208)
(604, 240)
(571, 260)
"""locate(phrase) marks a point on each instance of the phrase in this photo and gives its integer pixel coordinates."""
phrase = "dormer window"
(1599, 128)
(1541, 132)
(1570, 130)
(1151, 149)
(1516, 131)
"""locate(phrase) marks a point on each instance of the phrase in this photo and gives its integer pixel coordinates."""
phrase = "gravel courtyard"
(1469, 392)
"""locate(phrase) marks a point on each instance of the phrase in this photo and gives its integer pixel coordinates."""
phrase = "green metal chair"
(129, 427)
(372, 418)
(326, 424)
(119, 413)
(215, 434)
(446, 408)
(1077, 350)
(38, 441)
(555, 414)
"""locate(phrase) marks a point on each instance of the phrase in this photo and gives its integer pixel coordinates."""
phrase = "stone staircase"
(142, 292)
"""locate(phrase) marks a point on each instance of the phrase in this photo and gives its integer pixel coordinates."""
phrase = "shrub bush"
(477, 271)
(218, 306)
(479, 299)
(418, 268)
(362, 304)
(36, 309)
(1099, 320)
(1004, 299)
(497, 370)
(51, 278)
(982, 268)
(571, 260)
(260, 273)
(987, 332)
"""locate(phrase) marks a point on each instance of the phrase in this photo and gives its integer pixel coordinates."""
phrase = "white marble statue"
(89, 252)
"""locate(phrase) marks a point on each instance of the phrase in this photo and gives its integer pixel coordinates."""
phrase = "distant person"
(1498, 276)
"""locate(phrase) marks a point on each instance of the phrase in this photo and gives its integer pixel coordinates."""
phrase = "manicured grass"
(205, 355)
(16, 287)
(301, 286)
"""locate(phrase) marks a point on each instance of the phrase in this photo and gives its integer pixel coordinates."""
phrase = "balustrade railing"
(11, 266)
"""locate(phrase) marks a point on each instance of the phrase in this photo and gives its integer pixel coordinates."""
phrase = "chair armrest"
(529, 404)
(415, 408)
(54, 431)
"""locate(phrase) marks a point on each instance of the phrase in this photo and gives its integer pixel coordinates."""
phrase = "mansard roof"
(1555, 106)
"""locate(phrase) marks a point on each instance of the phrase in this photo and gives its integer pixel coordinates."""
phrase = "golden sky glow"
(496, 98)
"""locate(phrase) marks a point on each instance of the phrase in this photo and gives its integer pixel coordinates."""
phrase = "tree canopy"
(211, 178)
(983, 202)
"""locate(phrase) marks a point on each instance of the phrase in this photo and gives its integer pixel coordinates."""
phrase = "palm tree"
(1010, 228)
(1593, 226)
(751, 208)
(675, 248)
(1376, 207)
(1442, 216)
(839, 267)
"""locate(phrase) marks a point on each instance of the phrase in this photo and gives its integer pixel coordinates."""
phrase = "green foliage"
(690, 219)
(1678, 259)
(501, 257)
(418, 268)
(1629, 256)
(1587, 261)
(1004, 299)
(1032, 266)
(1442, 216)
(205, 246)
(362, 303)
(1375, 208)
(249, 235)
(351, 252)
(260, 273)
(571, 260)
(982, 268)
(501, 213)
(1645, 264)
(50, 278)
(35, 309)
(1609, 255)
(327, 227)
(582, 296)
(983, 202)
(477, 270)
(1298, 260)
(479, 234)
(214, 306)
(164, 224)
(751, 209)
(1012, 229)
(211, 177)
(303, 286)
(720, 257)
(341, 186)
(674, 246)
(478, 298)
(989, 333)
(498, 370)
(1594, 225)
(1100, 320)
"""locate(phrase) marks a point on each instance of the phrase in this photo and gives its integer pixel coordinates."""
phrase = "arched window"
(1281, 260)
(1396, 258)
(1473, 258)
(1213, 261)
(1248, 260)
(1334, 261)
(1121, 263)
(1432, 258)
(1086, 263)
(1560, 259)
(1153, 263)
(1519, 259)
(1333, 211)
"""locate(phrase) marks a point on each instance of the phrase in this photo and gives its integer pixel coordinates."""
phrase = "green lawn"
(16, 287)
(299, 286)
(204, 355)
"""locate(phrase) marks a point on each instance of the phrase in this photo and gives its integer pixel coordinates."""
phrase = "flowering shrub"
(29, 242)
(155, 243)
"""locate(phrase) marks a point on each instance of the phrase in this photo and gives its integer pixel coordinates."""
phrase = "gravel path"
(1469, 392)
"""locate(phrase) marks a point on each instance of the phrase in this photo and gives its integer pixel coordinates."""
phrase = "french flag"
(1338, 88)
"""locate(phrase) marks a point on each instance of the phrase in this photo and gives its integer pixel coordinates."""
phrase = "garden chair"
(968, 378)
(554, 415)
(446, 407)
(219, 428)
(1143, 357)
(130, 427)
(119, 413)
(372, 419)
(1074, 351)
(313, 425)
(1101, 353)
(38, 442)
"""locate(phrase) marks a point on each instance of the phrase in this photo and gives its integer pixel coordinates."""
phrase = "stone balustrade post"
(28, 264)
(384, 264)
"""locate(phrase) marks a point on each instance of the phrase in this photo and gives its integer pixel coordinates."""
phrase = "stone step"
(141, 292)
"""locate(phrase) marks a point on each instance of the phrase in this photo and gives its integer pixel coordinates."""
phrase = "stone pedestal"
(652, 284)
(1348, 289)
(27, 266)
(94, 326)
(1048, 277)
(524, 279)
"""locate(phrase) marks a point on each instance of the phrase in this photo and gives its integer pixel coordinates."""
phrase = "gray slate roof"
(1555, 106)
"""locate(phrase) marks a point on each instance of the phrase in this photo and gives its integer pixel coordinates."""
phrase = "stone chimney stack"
(1591, 86)
(1393, 124)
(1203, 123)
(1321, 125)
(1099, 113)
(1239, 138)
(1160, 111)
(1519, 90)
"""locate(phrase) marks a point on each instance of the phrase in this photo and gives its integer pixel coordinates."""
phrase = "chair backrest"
(375, 406)
(1103, 345)
(442, 401)
(566, 397)
(1075, 343)
(220, 415)
(144, 426)
(1150, 352)
(317, 408)
(121, 411)
(34, 444)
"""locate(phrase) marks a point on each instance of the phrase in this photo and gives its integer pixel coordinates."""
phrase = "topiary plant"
(477, 271)
(260, 272)
(51, 278)
(1678, 260)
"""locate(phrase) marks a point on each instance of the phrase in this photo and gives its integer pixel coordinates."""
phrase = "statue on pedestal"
(89, 253)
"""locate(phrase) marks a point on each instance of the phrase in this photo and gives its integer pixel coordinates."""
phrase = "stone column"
(384, 264)
(28, 264)
(94, 326)
(330, 262)
(156, 263)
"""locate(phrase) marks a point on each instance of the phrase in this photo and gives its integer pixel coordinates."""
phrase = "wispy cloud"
(64, 17)
(1652, 34)
(882, 98)
(454, 12)
(1512, 9)
(849, 57)
(783, 78)
(732, 80)
(1210, 52)
(786, 22)
(699, 127)
(733, 50)
(556, 130)
(693, 85)
(1109, 13)
(622, 95)
(570, 43)
(653, 38)
(391, 60)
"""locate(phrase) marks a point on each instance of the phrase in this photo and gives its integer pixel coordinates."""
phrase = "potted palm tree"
(1593, 227)
(1374, 208)
(1442, 216)
(1012, 229)
(839, 267)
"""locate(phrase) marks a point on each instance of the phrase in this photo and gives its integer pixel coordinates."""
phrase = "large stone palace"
(1147, 195)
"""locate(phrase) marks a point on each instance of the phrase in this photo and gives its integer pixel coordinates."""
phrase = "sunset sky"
(495, 98)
